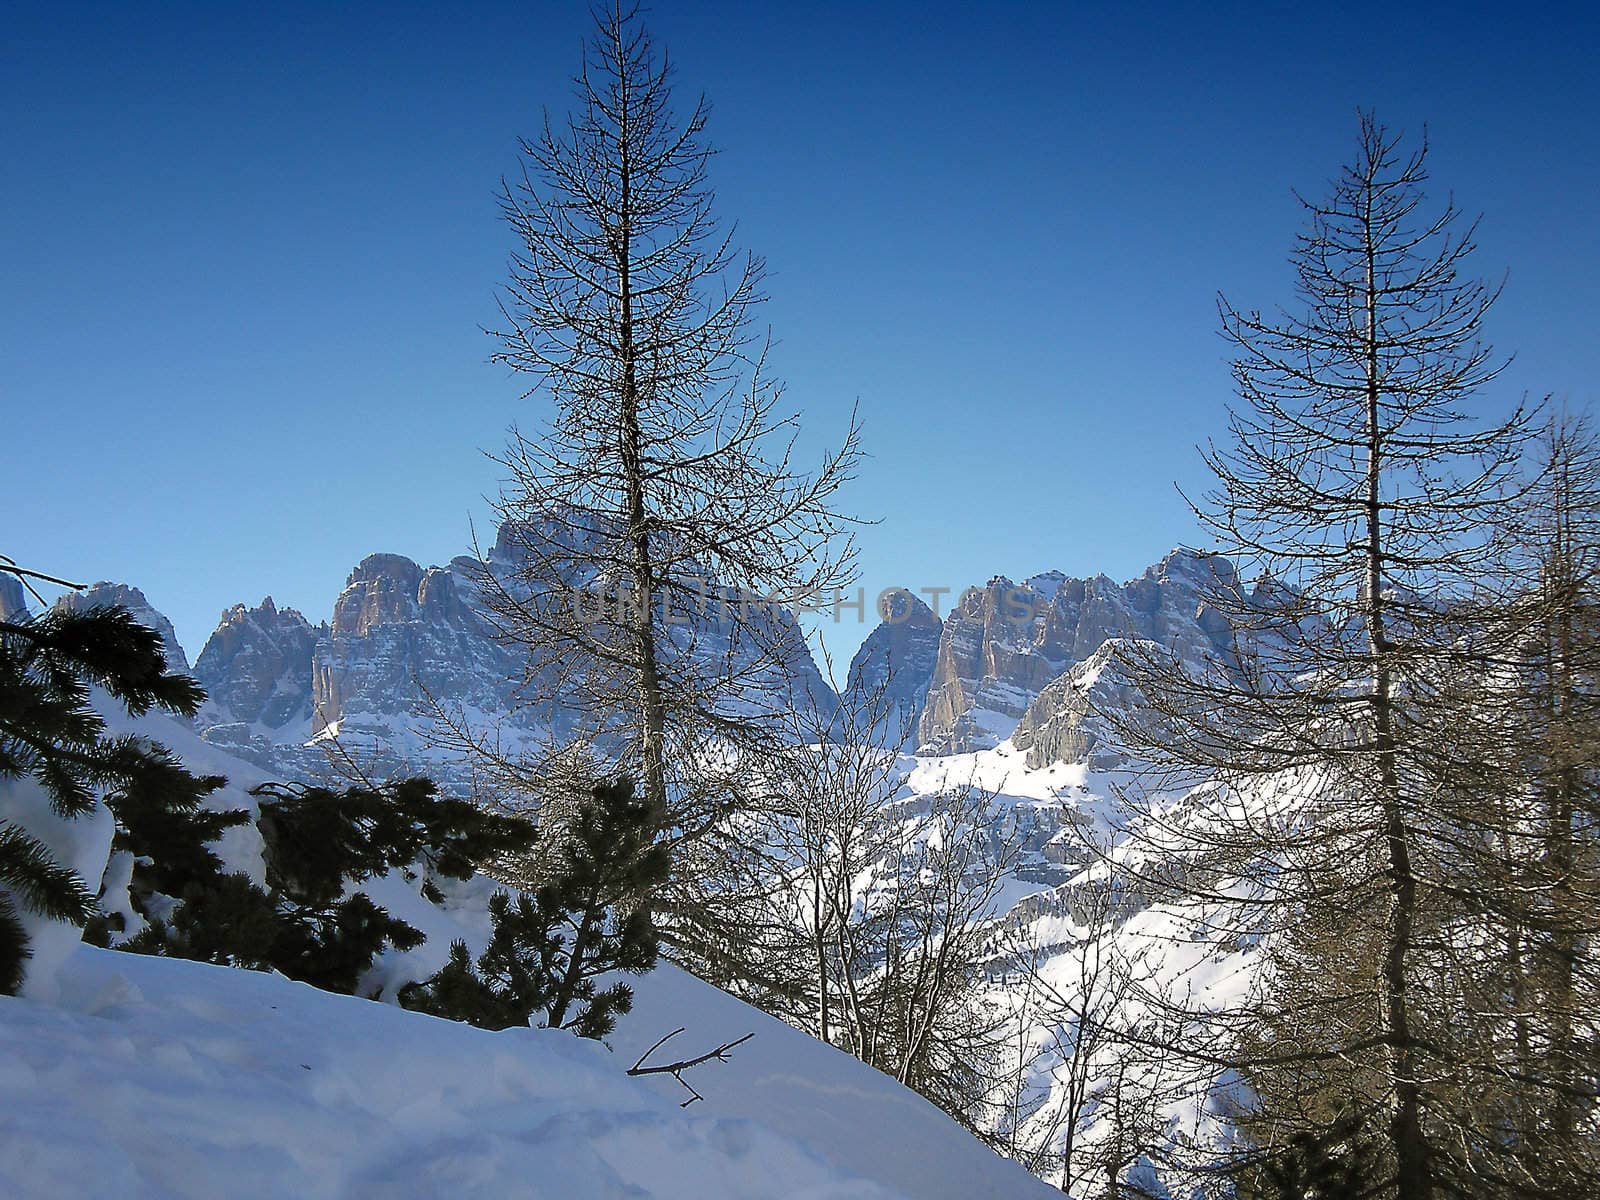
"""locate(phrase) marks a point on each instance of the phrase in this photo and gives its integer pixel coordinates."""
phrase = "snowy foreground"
(159, 1077)
(133, 1077)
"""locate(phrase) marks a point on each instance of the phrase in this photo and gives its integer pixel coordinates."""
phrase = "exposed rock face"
(1066, 722)
(401, 634)
(1005, 644)
(256, 669)
(999, 648)
(898, 657)
(746, 658)
(404, 642)
(13, 598)
(131, 598)
(1012, 659)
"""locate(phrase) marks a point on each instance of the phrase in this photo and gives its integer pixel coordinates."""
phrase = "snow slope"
(164, 1078)
(1110, 950)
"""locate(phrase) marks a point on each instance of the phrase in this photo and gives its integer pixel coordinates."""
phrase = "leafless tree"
(1526, 807)
(889, 901)
(657, 520)
(913, 947)
(1360, 492)
(1566, 708)
(831, 827)
(1071, 999)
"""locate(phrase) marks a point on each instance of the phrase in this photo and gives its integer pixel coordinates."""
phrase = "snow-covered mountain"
(256, 669)
(131, 598)
(1021, 670)
(1070, 721)
(1071, 935)
(404, 640)
(13, 599)
(895, 663)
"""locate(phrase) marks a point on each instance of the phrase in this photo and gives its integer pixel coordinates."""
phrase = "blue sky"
(245, 257)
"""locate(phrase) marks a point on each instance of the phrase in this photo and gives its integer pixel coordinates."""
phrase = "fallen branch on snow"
(676, 1069)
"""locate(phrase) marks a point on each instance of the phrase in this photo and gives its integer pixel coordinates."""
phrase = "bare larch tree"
(655, 516)
(1362, 490)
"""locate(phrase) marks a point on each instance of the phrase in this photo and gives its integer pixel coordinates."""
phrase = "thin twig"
(676, 1069)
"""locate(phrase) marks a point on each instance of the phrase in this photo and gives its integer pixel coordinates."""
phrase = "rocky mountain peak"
(1045, 584)
(256, 669)
(898, 658)
(104, 594)
(383, 589)
(13, 598)
(1202, 565)
(1067, 722)
(1003, 645)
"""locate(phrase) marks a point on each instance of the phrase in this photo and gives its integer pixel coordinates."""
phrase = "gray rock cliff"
(256, 669)
(1005, 643)
(131, 598)
(897, 659)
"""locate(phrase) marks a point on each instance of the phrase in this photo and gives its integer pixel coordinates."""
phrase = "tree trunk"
(557, 1014)
(1405, 1127)
(652, 702)
(819, 947)
(1562, 802)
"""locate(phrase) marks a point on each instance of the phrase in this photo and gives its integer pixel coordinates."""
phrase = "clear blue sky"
(246, 254)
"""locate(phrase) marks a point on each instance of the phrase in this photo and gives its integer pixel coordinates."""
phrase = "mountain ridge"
(404, 641)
